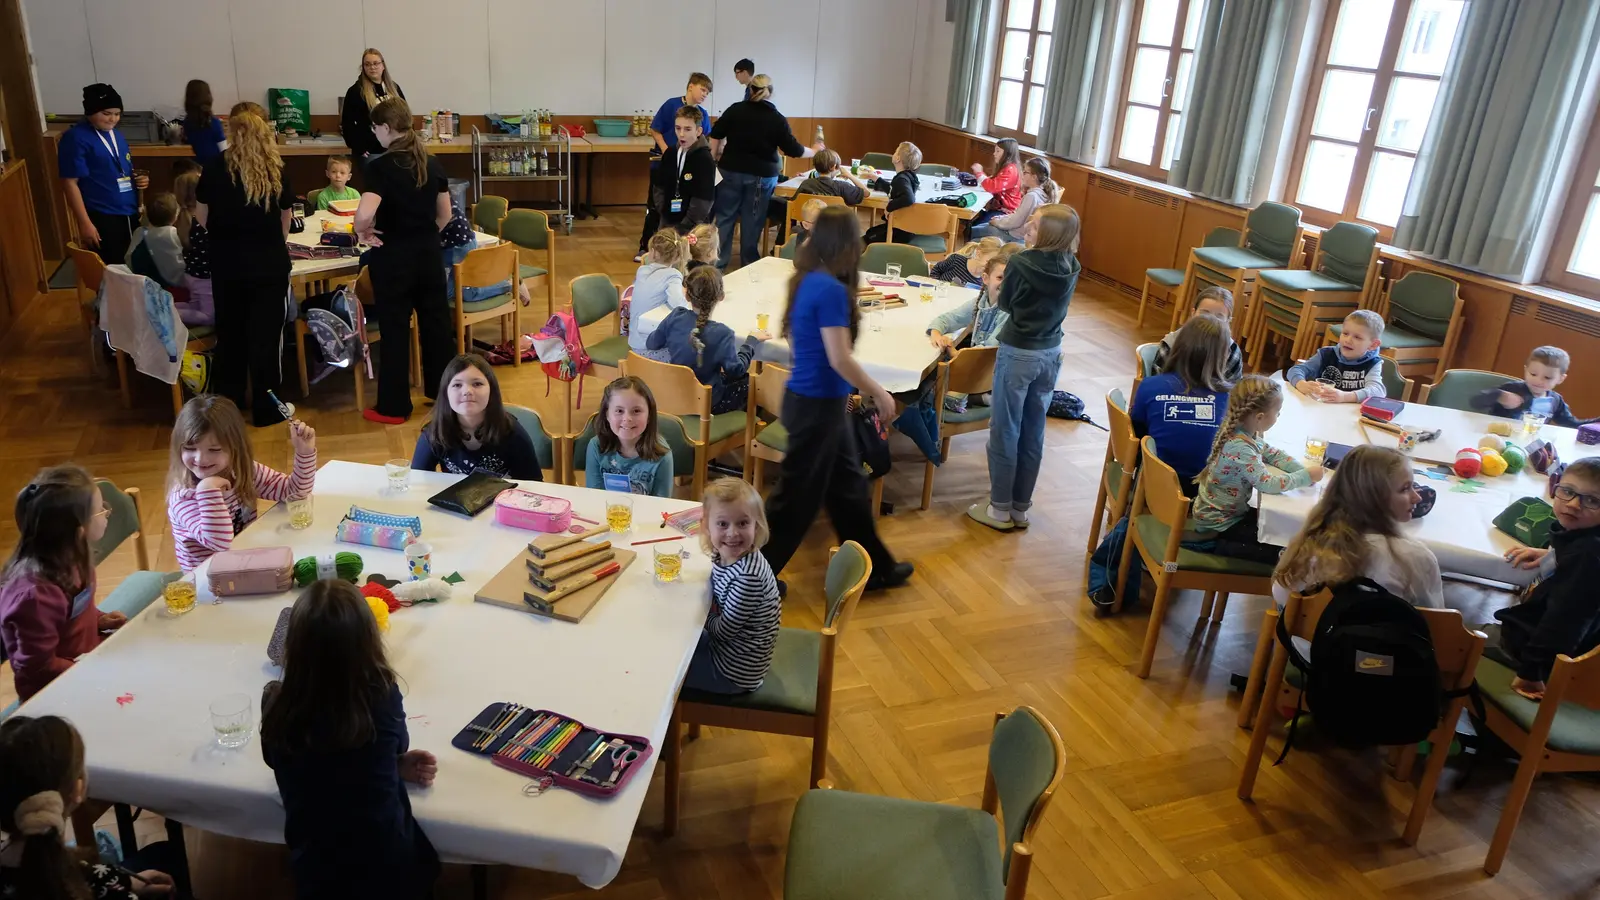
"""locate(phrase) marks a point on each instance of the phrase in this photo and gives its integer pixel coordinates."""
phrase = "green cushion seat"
(1575, 730)
(201, 332)
(791, 682)
(487, 303)
(1113, 474)
(609, 352)
(848, 846)
(1303, 280)
(1154, 534)
(973, 413)
(1397, 338)
(1226, 258)
(929, 243)
(1166, 277)
(136, 592)
(723, 426)
(775, 436)
(525, 272)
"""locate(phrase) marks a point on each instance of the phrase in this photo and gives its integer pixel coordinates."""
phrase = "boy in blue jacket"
(1535, 393)
(1351, 371)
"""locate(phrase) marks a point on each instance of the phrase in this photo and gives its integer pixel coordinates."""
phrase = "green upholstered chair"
(1422, 313)
(1272, 235)
(488, 212)
(679, 393)
(668, 428)
(787, 249)
(934, 170)
(882, 161)
(529, 230)
(912, 260)
(969, 371)
(849, 846)
(487, 267)
(1456, 388)
(1159, 515)
(1559, 734)
(1168, 279)
(930, 227)
(596, 297)
(765, 438)
(311, 200)
(1299, 304)
(1395, 385)
(1116, 474)
(141, 587)
(796, 698)
(1144, 364)
(545, 445)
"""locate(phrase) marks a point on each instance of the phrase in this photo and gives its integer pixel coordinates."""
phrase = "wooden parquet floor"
(1147, 809)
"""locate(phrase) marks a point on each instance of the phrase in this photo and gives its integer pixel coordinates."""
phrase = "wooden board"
(507, 587)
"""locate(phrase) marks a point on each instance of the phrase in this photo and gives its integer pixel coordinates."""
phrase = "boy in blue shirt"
(1546, 368)
(695, 94)
(97, 176)
(1351, 371)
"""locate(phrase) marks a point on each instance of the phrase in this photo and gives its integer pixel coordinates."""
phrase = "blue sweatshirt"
(1182, 420)
(721, 360)
(1363, 375)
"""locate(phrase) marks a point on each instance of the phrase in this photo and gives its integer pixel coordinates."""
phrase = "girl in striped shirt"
(735, 649)
(214, 481)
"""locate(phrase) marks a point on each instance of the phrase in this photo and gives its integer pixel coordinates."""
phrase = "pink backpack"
(560, 348)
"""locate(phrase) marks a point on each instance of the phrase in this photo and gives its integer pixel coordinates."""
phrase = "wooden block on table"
(511, 587)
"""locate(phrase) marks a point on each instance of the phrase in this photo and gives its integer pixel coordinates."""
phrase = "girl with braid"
(688, 337)
(1241, 462)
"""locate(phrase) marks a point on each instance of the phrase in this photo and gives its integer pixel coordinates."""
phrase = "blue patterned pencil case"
(373, 517)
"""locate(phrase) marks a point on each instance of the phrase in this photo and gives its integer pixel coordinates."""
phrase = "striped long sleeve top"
(204, 522)
(744, 618)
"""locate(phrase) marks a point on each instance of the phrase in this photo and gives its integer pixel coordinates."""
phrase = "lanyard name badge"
(124, 182)
(677, 186)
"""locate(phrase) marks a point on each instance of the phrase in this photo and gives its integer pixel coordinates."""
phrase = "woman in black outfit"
(405, 204)
(244, 203)
(355, 119)
(746, 141)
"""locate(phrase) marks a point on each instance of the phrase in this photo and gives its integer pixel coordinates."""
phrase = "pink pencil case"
(262, 570)
(535, 512)
(589, 761)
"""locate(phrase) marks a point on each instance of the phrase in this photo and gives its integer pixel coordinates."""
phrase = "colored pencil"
(676, 537)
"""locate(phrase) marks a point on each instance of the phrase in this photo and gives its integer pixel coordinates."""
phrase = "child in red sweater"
(1006, 182)
(47, 613)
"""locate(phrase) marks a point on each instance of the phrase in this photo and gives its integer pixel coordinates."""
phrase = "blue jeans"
(742, 198)
(985, 228)
(453, 255)
(703, 674)
(1024, 381)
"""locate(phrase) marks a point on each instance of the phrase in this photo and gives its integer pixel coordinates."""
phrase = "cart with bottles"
(541, 152)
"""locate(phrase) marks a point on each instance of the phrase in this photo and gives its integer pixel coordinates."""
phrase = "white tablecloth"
(928, 188)
(344, 265)
(619, 669)
(1460, 529)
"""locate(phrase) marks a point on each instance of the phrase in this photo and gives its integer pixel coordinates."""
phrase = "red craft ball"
(372, 589)
(1469, 463)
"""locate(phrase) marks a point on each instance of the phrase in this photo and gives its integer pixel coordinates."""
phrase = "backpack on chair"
(559, 346)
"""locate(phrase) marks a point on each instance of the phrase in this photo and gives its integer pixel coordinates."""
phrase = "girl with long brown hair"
(245, 202)
(372, 86)
(472, 430)
(690, 338)
(627, 453)
(823, 468)
(404, 206)
(201, 130)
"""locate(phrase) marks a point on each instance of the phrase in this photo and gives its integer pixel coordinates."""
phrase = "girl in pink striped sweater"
(214, 481)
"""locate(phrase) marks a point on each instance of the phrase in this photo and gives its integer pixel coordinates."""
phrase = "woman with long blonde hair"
(373, 86)
(244, 203)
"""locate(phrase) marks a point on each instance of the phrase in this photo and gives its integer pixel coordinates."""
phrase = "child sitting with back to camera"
(703, 242)
(802, 228)
(338, 170)
(214, 480)
(1535, 394)
(199, 309)
(1242, 462)
(981, 321)
(1350, 371)
(657, 285)
(691, 339)
(1183, 405)
(157, 250)
(627, 453)
(1212, 301)
(741, 632)
(965, 266)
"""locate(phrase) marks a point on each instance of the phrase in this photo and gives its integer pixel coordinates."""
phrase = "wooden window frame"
(1164, 112)
(1580, 195)
(1384, 76)
(1028, 85)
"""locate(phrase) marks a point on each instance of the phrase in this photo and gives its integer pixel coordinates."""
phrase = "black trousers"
(822, 469)
(407, 277)
(879, 234)
(652, 224)
(1239, 542)
(116, 235)
(250, 320)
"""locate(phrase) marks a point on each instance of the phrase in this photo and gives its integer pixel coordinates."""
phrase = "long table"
(304, 272)
(619, 669)
(928, 187)
(1460, 528)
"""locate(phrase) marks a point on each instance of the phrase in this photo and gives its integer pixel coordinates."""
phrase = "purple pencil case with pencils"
(554, 750)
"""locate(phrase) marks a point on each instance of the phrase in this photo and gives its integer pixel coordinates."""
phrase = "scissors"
(622, 759)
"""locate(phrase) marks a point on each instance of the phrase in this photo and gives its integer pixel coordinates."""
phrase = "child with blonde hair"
(1354, 532)
(966, 266)
(1241, 463)
(902, 191)
(1038, 191)
(690, 338)
(658, 285)
(157, 251)
(1350, 371)
(703, 241)
(1535, 393)
(199, 309)
(214, 479)
(735, 650)
(338, 170)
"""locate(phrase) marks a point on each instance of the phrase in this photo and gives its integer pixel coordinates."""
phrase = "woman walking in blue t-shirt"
(823, 465)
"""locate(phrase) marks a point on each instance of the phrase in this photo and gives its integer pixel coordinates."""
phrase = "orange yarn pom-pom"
(374, 590)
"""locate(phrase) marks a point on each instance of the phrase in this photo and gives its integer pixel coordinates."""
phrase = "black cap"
(100, 96)
(745, 65)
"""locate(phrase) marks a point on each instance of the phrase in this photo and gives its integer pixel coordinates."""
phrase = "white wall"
(832, 58)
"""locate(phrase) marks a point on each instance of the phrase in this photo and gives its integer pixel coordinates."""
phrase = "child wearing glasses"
(1562, 612)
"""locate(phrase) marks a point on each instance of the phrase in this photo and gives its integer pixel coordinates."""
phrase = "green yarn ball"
(1516, 458)
(346, 564)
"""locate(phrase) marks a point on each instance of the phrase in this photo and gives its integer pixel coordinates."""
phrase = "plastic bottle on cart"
(544, 161)
(517, 167)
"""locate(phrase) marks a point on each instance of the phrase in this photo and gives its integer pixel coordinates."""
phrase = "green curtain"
(1503, 133)
(972, 20)
(1236, 74)
(1077, 87)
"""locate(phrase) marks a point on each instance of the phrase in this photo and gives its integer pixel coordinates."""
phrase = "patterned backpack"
(335, 328)
(560, 348)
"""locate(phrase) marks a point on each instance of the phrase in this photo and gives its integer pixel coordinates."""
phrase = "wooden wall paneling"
(620, 178)
(1532, 323)
(1128, 229)
(1074, 184)
(1198, 220)
(22, 275)
(21, 103)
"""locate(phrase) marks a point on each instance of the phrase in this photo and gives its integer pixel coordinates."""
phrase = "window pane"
(1405, 116)
(1430, 34)
(1149, 76)
(1047, 15)
(1041, 58)
(1191, 25)
(1138, 134)
(1586, 254)
(1342, 108)
(1358, 35)
(1008, 104)
(1386, 188)
(1325, 180)
(1159, 18)
(1019, 14)
(1035, 109)
(1169, 147)
(1180, 88)
(1014, 55)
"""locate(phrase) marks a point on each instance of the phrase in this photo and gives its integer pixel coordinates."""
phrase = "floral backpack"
(559, 346)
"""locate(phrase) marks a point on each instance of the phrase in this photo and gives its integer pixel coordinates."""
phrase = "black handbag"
(872, 440)
(472, 494)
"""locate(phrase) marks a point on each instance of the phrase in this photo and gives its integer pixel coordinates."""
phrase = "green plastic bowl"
(613, 127)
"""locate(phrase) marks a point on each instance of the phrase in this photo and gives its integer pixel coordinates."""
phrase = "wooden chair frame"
(1160, 493)
(815, 727)
(970, 371)
(927, 219)
(1456, 647)
(486, 267)
(792, 214)
(768, 382)
(1304, 341)
(1244, 280)
(1122, 447)
(1022, 852)
(678, 392)
(1153, 289)
(364, 296)
(548, 263)
(90, 271)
